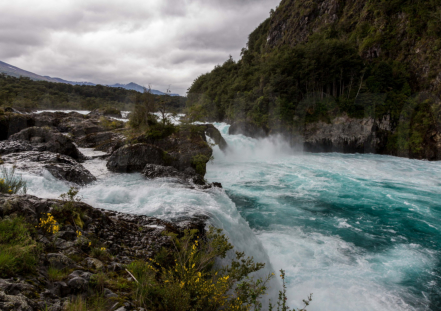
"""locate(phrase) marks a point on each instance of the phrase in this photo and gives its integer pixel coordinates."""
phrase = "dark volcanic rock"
(12, 123)
(126, 237)
(185, 149)
(247, 129)
(45, 139)
(11, 146)
(159, 171)
(133, 158)
(102, 141)
(347, 135)
(212, 132)
(60, 166)
(79, 126)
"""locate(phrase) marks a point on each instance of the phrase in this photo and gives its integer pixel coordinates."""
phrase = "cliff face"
(404, 31)
(363, 76)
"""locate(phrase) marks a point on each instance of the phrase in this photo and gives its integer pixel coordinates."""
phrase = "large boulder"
(212, 132)
(102, 141)
(53, 119)
(80, 126)
(247, 129)
(45, 139)
(11, 123)
(186, 148)
(133, 158)
(60, 166)
(12, 146)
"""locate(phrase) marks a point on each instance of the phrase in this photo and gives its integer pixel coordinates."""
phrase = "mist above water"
(360, 232)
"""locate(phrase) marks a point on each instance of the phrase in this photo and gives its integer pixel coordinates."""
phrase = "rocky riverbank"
(70, 261)
(88, 251)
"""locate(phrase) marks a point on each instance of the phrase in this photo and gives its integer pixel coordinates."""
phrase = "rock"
(212, 132)
(19, 288)
(78, 285)
(110, 112)
(60, 166)
(13, 123)
(187, 148)
(60, 261)
(80, 273)
(133, 158)
(79, 126)
(60, 289)
(15, 302)
(346, 135)
(102, 141)
(159, 171)
(109, 294)
(45, 139)
(247, 129)
(115, 266)
(121, 309)
(8, 146)
(93, 263)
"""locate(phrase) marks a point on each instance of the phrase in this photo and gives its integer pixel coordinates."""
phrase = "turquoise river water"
(360, 232)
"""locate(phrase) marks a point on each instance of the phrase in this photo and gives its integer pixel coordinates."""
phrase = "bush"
(10, 182)
(185, 278)
(69, 212)
(111, 124)
(18, 251)
(199, 163)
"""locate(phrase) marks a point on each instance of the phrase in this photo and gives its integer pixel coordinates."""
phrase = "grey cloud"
(160, 42)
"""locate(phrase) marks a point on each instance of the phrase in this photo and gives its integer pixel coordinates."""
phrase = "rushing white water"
(360, 232)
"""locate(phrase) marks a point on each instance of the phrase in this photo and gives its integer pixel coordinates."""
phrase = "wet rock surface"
(60, 166)
(124, 237)
(45, 139)
(133, 158)
(159, 171)
(247, 129)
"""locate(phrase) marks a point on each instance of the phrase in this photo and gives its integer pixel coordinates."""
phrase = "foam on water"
(360, 232)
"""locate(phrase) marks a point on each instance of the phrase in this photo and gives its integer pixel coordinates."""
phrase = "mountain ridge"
(18, 72)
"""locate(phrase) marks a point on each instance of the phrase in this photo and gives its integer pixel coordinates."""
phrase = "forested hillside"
(29, 94)
(319, 59)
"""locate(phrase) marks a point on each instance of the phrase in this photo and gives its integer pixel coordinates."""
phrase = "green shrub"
(10, 182)
(69, 212)
(18, 251)
(57, 274)
(111, 124)
(200, 163)
(185, 278)
(100, 253)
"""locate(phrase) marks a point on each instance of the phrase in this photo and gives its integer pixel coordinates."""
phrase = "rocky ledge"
(49, 141)
(99, 243)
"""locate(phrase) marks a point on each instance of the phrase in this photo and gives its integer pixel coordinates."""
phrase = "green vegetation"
(186, 277)
(18, 250)
(199, 163)
(10, 182)
(359, 65)
(111, 124)
(143, 120)
(57, 274)
(28, 94)
(69, 212)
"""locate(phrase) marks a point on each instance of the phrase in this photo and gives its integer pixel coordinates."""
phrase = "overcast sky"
(157, 42)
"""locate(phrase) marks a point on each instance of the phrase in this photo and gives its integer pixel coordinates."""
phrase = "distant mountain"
(139, 88)
(18, 72)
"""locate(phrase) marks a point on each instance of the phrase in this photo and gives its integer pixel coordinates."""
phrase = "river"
(360, 232)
